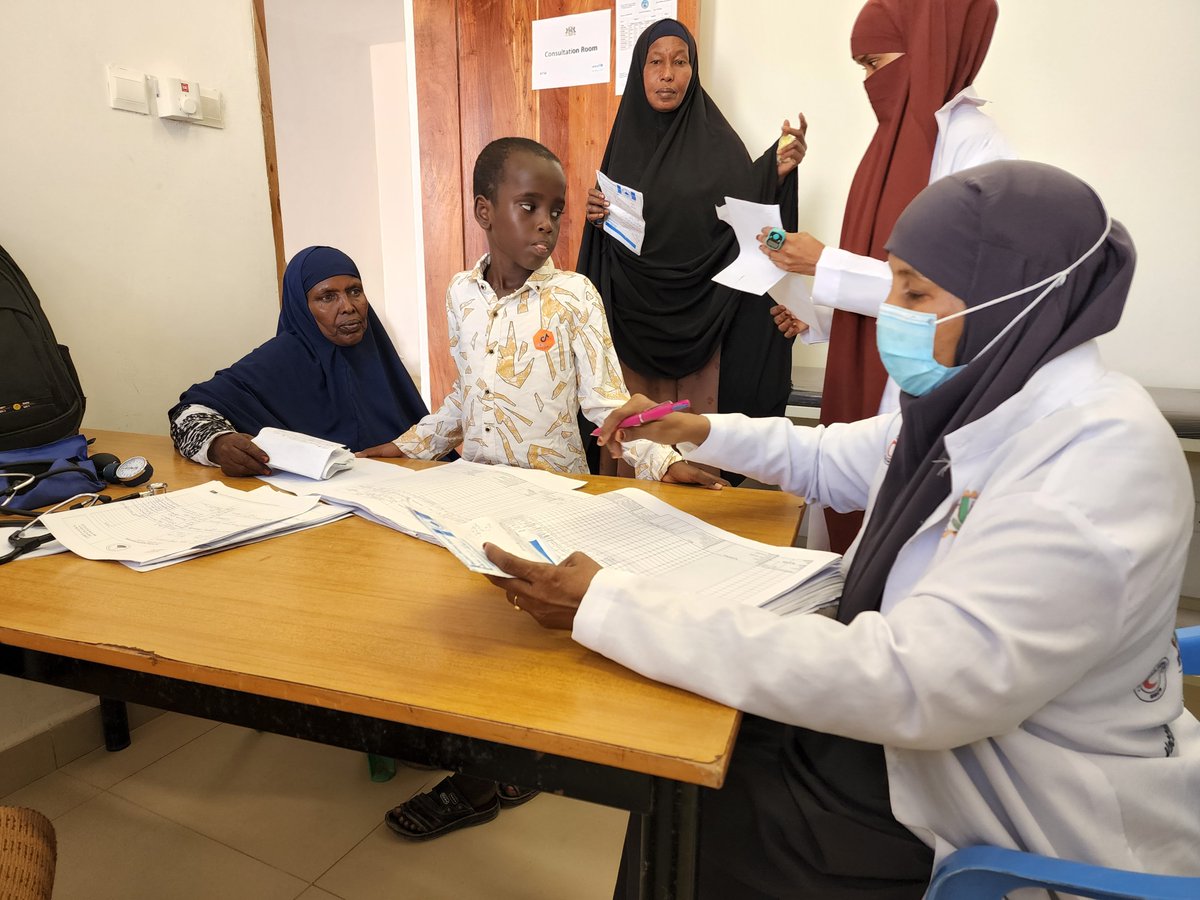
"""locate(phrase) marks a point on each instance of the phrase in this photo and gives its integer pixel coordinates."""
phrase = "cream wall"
(149, 242)
(1081, 84)
(339, 86)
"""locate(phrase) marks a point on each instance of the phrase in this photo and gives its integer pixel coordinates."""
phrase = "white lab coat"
(1021, 673)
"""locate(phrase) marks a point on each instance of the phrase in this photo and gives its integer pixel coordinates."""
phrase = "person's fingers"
(251, 463)
(506, 561)
(635, 404)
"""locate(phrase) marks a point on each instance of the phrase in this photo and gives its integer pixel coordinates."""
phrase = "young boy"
(532, 348)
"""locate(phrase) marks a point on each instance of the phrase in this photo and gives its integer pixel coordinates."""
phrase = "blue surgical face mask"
(905, 337)
(905, 341)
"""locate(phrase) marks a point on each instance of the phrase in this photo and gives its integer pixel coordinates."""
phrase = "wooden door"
(474, 71)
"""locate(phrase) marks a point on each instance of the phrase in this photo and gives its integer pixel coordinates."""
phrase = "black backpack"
(40, 396)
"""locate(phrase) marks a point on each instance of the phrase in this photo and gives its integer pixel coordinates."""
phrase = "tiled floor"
(193, 809)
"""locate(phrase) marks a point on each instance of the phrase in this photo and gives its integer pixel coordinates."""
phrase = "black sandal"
(511, 795)
(437, 812)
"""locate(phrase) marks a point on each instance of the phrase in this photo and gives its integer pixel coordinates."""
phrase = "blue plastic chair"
(988, 873)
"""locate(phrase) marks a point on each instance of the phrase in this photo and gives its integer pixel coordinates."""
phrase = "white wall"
(149, 242)
(403, 301)
(339, 92)
(1082, 84)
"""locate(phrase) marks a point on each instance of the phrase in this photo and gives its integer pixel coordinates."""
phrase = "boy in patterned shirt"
(532, 348)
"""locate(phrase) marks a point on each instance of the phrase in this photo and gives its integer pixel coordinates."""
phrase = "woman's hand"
(799, 252)
(388, 450)
(677, 428)
(551, 594)
(238, 455)
(597, 207)
(788, 324)
(790, 154)
(683, 472)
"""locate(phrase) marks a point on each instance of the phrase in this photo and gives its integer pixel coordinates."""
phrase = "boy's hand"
(597, 207)
(683, 472)
(238, 455)
(788, 324)
(388, 450)
(677, 428)
(551, 594)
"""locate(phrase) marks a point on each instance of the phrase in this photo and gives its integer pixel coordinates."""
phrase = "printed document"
(302, 454)
(624, 222)
(633, 531)
(387, 493)
(176, 524)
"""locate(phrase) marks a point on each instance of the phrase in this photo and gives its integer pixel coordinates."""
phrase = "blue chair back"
(1189, 649)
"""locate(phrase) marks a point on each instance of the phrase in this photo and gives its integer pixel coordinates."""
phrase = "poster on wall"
(569, 50)
(634, 17)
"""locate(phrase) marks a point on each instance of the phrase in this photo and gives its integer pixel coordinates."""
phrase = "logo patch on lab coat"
(1155, 684)
(887, 454)
(965, 503)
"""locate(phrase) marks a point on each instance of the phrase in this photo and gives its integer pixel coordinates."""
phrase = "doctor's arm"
(976, 649)
(832, 465)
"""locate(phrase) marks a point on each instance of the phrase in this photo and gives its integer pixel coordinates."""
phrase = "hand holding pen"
(654, 421)
(653, 414)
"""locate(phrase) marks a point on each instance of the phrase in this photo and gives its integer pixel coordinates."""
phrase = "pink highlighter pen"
(653, 414)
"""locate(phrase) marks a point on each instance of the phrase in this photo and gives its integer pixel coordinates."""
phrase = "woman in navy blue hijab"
(330, 371)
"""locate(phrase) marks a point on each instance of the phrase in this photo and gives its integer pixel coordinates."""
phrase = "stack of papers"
(389, 494)
(303, 454)
(157, 531)
(539, 516)
(633, 531)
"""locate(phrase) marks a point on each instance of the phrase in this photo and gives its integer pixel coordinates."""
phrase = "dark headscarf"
(981, 234)
(359, 396)
(666, 315)
(944, 43)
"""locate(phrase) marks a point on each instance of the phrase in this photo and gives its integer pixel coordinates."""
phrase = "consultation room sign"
(569, 50)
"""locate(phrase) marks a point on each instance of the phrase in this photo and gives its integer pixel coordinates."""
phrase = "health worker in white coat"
(921, 58)
(1002, 669)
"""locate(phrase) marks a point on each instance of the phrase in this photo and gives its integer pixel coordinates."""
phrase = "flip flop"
(511, 795)
(437, 812)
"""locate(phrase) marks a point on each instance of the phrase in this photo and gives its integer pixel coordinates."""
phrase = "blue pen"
(653, 414)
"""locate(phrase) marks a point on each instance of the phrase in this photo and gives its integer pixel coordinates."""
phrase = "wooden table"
(354, 635)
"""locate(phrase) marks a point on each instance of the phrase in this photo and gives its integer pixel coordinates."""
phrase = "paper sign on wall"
(569, 50)
(634, 17)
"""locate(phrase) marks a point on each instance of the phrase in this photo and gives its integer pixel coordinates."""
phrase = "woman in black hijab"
(1002, 668)
(669, 320)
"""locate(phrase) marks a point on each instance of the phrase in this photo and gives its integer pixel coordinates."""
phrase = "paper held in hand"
(753, 271)
(624, 222)
(301, 454)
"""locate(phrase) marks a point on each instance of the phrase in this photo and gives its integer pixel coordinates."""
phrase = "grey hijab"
(980, 234)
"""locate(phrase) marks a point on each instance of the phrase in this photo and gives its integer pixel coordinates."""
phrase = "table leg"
(670, 834)
(114, 718)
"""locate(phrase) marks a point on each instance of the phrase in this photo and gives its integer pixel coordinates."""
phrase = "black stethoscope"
(20, 543)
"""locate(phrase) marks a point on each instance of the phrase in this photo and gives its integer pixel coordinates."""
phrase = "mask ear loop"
(1057, 280)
